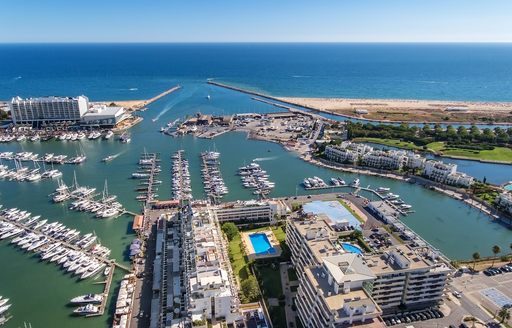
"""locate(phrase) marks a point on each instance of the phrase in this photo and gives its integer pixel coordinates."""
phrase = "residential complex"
(339, 288)
(250, 212)
(355, 153)
(446, 173)
(48, 109)
(192, 279)
(504, 200)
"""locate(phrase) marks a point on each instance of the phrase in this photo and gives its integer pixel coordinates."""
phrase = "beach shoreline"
(420, 111)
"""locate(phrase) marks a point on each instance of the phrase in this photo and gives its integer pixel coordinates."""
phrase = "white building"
(251, 212)
(381, 159)
(446, 173)
(439, 171)
(505, 201)
(337, 288)
(212, 293)
(103, 116)
(347, 152)
(415, 161)
(335, 293)
(48, 109)
(407, 277)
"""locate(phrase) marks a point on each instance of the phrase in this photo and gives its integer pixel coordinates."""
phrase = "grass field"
(238, 259)
(390, 142)
(501, 154)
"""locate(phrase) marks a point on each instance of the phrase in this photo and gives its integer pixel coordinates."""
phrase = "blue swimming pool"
(261, 244)
(351, 248)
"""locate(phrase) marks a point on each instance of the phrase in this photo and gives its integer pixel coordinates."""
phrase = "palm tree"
(504, 314)
(476, 257)
(496, 250)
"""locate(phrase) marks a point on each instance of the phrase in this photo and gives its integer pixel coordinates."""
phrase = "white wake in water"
(261, 159)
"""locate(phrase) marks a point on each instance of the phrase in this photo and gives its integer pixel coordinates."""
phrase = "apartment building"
(212, 292)
(446, 173)
(504, 200)
(341, 288)
(406, 276)
(48, 109)
(335, 293)
(250, 212)
(340, 155)
(310, 241)
(192, 275)
(389, 159)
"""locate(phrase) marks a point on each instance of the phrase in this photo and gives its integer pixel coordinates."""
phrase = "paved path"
(288, 294)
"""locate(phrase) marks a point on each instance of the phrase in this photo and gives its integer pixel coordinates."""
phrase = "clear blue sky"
(256, 21)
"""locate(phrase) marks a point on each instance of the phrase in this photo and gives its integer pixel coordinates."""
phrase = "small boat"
(109, 134)
(4, 308)
(107, 271)
(109, 158)
(355, 183)
(383, 189)
(125, 138)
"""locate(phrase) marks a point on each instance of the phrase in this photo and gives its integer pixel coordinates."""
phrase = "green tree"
(496, 250)
(476, 257)
(504, 314)
(231, 230)
(250, 289)
(463, 133)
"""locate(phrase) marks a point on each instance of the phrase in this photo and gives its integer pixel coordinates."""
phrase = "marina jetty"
(141, 104)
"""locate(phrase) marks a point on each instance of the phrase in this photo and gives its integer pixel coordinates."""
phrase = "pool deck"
(249, 249)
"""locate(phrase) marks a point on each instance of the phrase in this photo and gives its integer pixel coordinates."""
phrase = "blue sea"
(480, 72)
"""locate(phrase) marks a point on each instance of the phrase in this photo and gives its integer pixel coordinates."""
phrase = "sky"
(25, 21)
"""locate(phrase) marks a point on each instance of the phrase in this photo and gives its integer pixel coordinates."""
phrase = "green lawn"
(502, 154)
(238, 258)
(360, 219)
(390, 142)
(278, 232)
(278, 316)
(270, 280)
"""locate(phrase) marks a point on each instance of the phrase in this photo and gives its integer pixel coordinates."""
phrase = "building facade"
(48, 109)
(504, 200)
(338, 288)
(250, 212)
(446, 173)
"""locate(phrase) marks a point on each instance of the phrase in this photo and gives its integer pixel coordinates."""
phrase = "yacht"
(355, 183)
(88, 298)
(125, 138)
(383, 189)
(86, 309)
(4, 308)
(109, 134)
(3, 301)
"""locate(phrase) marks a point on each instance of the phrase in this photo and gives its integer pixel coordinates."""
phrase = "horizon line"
(254, 42)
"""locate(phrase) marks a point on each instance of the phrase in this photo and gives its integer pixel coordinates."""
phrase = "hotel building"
(48, 109)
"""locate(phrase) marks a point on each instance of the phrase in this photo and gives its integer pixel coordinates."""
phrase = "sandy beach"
(410, 110)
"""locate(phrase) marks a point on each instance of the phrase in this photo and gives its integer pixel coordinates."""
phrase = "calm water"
(131, 71)
(40, 291)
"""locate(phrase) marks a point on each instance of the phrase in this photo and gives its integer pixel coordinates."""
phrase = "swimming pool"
(351, 248)
(261, 244)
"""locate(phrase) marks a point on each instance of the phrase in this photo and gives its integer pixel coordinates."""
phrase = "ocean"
(480, 72)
